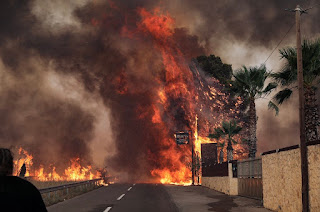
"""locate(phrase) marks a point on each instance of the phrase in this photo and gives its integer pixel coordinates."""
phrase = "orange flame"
(75, 172)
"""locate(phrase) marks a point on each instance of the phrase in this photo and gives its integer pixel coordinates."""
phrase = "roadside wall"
(227, 184)
(281, 173)
(217, 183)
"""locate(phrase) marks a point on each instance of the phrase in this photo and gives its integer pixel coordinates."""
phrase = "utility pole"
(303, 145)
(192, 157)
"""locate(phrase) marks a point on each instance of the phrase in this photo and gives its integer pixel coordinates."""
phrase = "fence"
(251, 168)
(250, 178)
(215, 170)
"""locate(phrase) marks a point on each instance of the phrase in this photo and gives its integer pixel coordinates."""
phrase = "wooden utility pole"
(192, 157)
(303, 145)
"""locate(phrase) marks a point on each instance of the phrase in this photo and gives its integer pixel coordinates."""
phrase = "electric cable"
(279, 43)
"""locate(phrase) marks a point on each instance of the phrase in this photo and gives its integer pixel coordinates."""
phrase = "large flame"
(74, 172)
(186, 87)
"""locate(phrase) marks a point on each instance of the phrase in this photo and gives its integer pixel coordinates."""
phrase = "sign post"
(185, 138)
(182, 137)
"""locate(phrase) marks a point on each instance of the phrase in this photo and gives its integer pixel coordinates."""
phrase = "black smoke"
(93, 50)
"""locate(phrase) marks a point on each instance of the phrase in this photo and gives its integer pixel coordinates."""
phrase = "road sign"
(182, 137)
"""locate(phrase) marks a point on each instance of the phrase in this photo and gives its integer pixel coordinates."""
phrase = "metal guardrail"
(71, 185)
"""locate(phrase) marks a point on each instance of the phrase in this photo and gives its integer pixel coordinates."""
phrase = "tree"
(221, 147)
(287, 78)
(228, 129)
(213, 66)
(249, 83)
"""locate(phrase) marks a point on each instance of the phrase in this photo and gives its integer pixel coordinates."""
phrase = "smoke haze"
(74, 75)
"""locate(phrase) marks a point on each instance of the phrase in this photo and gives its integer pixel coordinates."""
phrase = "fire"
(179, 87)
(27, 160)
(74, 172)
(182, 99)
(160, 26)
(169, 177)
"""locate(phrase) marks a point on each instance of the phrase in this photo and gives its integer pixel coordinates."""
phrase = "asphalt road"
(120, 198)
(156, 198)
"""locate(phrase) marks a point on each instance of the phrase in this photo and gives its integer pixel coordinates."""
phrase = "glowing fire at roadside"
(74, 172)
(179, 84)
(161, 28)
(26, 159)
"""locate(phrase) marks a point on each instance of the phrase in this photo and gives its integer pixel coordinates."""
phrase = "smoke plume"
(80, 79)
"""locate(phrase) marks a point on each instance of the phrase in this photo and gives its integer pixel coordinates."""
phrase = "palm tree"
(287, 78)
(249, 83)
(221, 146)
(229, 129)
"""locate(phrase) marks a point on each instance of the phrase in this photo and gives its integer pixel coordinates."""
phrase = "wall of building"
(282, 180)
(227, 184)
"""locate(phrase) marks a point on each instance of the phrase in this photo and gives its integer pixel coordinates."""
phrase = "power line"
(308, 2)
(279, 43)
(304, 11)
(313, 6)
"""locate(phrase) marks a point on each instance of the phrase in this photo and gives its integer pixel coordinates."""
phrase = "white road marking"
(129, 188)
(107, 209)
(134, 184)
(119, 198)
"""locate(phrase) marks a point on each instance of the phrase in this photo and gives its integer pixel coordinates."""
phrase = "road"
(156, 198)
(120, 198)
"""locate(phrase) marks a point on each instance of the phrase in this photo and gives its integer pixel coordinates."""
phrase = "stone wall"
(233, 182)
(314, 177)
(227, 185)
(217, 183)
(282, 180)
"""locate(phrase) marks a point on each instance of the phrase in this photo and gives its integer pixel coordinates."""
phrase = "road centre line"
(129, 188)
(107, 209)
(119, 198)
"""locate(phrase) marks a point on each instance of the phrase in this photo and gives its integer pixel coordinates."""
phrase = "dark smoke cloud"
(52, 127)
(40, 121)
(95, 56)
(258, 23)
(86, 44)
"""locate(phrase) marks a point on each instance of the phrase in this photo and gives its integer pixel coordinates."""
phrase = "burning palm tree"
(221, 146)
(229, 129)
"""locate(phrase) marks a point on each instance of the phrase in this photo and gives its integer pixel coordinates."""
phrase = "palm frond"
(228, 128)
(249, 82)
(283, 95)
(311, 63)
(221, 144)
(234, 141)
(274, 107)
(286, 76)
(271, 86)
(218, 133)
